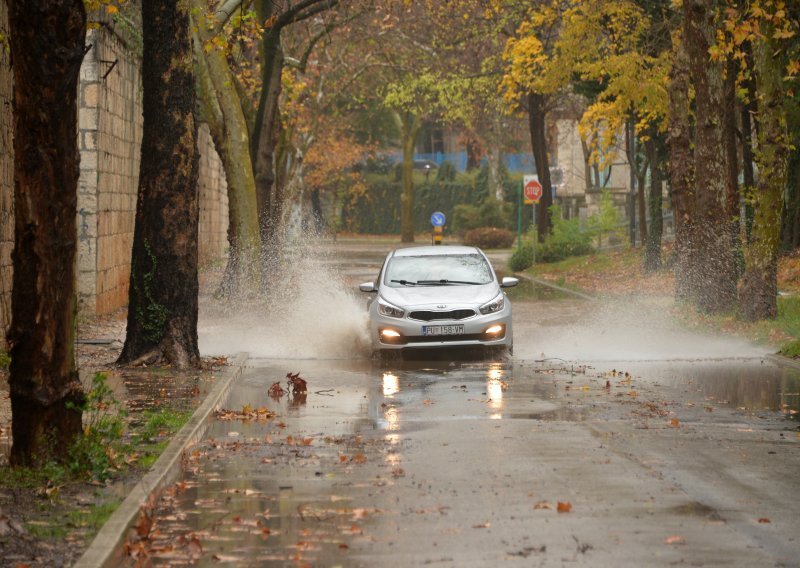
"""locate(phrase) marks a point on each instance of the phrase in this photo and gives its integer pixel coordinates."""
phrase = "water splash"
(578, 330)
(310, 312)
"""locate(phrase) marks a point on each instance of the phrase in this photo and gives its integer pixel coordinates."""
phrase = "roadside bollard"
(437, 235)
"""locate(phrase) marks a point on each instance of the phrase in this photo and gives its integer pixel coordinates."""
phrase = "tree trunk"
(641, 201)
(715, 264)
(473, 147)
(265, 137)
(630, 152)
(652, 251)
(681, 168)
(47, 47)
(494, 160)
(760, 285)
(748, 174)
(231, 139)
(163, 296)
(791, 212)
(587, 167)
(538, 132)
(409, 128)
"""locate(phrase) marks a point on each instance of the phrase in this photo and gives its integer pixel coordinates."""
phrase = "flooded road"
(596, 445)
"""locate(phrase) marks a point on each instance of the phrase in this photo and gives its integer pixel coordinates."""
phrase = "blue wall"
(516, 163)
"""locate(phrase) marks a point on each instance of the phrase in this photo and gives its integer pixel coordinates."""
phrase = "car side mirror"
(367, 287)
(509, 282)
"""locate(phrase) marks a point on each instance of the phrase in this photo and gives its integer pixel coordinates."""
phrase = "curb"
(546, 284)
(782, 361)
(104, 549)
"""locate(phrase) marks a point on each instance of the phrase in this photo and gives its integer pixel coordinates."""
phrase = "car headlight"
(386, 309)
(495, 305)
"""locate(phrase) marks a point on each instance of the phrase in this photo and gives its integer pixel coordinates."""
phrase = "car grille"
(447, 338)
(426, 315)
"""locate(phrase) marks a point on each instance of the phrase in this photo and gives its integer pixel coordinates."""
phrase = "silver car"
(439, 296)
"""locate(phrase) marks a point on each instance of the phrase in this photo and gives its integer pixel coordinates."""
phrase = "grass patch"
(46, 530)
(32, 478)
(788, 321)
(151, 437)
(94, 517)
(159, 423)
(5, 360)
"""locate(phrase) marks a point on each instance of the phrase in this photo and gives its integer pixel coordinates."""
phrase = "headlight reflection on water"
(391, 384)
(495, 386)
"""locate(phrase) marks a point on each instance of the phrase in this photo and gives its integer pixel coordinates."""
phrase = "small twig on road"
(325, 392)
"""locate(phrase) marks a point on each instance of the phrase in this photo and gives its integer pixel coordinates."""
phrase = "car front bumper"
(411, 335)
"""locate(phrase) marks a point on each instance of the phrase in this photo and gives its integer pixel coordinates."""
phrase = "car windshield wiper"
(406, 282)
(445, 282)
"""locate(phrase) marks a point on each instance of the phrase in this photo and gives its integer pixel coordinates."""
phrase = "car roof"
(440, 250)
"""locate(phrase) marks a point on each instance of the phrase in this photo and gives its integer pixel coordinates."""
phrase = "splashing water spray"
(308, 311)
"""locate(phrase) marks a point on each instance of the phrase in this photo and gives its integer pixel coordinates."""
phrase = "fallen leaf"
(675, 423)
(483, 526)
(764, 520)
(542, 505)
(276, 391)
(564, 507)
(675, 539)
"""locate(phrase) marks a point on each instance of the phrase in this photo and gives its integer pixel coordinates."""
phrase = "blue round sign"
(438, 219)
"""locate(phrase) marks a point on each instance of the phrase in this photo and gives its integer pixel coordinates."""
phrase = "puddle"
(696, 509)
(752, 385)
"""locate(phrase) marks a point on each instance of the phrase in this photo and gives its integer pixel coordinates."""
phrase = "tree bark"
(47, 47)
(265, 134)
(163, 296)
(791, 212)
(714, 281)
(681, 168)
(749, 110)
(231, 139)
(587, 167)
(536, 123)
(759, 289)
(652, 251)
(409, 128)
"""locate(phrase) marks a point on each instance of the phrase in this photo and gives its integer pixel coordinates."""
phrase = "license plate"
(442, 330)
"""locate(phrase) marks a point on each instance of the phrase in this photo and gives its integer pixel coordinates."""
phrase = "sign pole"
(534, 233)
(519, 215)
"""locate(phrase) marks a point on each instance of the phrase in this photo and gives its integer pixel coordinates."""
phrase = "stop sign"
(533, 190)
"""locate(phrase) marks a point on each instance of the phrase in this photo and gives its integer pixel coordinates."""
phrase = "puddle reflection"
(391, 385)
(750, 385)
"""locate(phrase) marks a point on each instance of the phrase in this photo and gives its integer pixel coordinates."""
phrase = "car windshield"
(438, 270)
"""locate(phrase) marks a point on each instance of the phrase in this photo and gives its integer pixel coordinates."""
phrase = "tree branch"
(302, 11)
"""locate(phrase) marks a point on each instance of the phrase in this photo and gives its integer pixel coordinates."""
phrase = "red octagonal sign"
(533, 190)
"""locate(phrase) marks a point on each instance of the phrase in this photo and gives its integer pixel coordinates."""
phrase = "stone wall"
(110, 123)
(6, 178)
(109, 137)
(213, 201)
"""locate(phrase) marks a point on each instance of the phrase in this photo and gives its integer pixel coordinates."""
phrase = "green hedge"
(377, 211)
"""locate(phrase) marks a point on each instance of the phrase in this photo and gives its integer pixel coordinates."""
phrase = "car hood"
(433, 296)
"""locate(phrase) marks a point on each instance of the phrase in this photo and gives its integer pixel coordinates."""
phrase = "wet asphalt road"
(602, 442)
